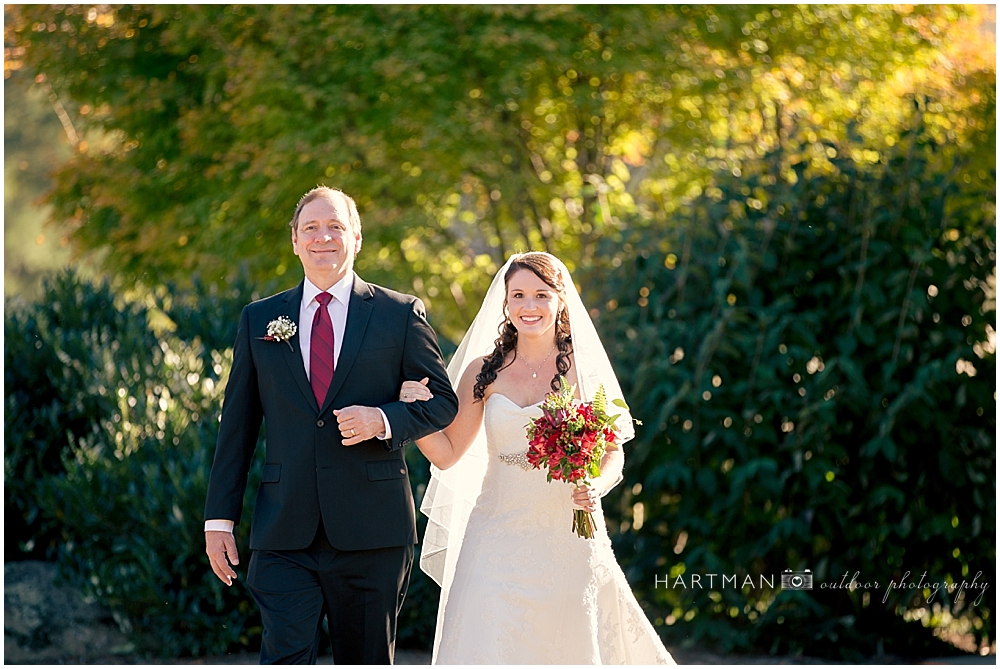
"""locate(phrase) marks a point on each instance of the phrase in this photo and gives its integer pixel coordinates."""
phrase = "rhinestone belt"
(516, 459)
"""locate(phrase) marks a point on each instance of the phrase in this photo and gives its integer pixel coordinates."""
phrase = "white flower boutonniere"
(281, 329)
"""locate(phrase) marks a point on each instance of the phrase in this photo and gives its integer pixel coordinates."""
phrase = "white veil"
(452, 493)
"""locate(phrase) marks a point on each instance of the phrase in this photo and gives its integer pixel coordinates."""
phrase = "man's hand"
(359, 424)
(219, 545)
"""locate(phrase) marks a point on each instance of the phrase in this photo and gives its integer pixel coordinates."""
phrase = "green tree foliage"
(815, 365)
(34, 145)
(464, 132)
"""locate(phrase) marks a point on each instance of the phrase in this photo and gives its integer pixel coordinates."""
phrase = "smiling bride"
(518, 586)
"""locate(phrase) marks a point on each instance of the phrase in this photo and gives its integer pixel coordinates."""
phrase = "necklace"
(534, 372)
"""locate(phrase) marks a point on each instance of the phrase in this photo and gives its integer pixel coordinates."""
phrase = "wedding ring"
(353, 432)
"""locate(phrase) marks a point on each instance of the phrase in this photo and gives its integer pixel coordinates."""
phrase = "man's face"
(324, 241)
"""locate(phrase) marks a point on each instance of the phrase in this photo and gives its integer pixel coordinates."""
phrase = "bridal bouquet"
(570, 439)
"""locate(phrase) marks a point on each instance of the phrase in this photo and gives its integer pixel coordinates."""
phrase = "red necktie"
(321, 350)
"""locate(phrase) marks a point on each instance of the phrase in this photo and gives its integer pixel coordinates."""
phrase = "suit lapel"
(293, 354)
(359, 310)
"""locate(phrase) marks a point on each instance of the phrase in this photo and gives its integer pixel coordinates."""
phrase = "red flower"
(569, 439)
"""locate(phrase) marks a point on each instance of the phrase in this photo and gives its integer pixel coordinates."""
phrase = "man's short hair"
(329, 193)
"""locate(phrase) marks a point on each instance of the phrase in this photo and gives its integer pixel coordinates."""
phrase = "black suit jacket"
(362, 492)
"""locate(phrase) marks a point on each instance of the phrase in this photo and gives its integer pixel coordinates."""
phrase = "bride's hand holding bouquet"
(570, 440)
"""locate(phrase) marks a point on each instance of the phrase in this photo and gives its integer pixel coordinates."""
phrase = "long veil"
(452, 493)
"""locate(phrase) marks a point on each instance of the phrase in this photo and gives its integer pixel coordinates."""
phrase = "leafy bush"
(58, 356)
(207, 313)
(110, 433)
(812, 358)
(130, 506)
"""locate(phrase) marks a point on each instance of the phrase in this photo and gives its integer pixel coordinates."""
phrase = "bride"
(518, 586)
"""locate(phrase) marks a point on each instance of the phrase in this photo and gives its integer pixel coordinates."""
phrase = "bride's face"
(531, 303)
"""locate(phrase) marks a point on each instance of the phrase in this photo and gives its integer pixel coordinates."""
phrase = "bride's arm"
(444, 448)
(612, 469)
(612, 466)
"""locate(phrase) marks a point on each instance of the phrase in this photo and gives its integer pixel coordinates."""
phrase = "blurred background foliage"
(783, 218)
(110, 431)
(32, 148)
(465, 132)
(818, 393)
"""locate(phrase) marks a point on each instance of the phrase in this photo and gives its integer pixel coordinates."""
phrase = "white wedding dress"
(527, 589)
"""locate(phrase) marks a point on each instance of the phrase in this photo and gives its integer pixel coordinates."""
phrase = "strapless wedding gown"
(527, 589)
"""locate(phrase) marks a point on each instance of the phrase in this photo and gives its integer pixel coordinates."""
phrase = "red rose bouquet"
(569, 439)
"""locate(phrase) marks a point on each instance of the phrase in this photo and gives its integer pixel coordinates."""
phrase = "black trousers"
(361, 592)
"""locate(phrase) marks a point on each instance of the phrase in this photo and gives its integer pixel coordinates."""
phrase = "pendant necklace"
(534, 372)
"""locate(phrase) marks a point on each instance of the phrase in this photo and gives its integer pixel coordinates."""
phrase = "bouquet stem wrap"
(583, 523)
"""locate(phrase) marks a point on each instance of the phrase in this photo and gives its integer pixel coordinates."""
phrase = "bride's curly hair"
(543, 267)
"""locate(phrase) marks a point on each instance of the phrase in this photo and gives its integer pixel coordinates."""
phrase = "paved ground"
(402, 657)
(410, 657)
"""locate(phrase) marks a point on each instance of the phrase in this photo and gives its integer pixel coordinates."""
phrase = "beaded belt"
(516, 459)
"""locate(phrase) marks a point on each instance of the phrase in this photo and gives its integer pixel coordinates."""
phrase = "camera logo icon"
(797, 580)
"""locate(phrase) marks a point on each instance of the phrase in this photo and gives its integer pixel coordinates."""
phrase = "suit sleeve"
(242, 415)
(421, 357)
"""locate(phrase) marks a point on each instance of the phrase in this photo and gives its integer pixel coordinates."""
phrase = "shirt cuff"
(219, 526)
(387, 435)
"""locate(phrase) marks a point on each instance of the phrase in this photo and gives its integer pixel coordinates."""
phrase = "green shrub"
(207, 313)
(110, 432)
(811, 362)
(61, 357)
(130, 507)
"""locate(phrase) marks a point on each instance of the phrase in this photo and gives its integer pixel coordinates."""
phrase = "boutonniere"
(280, 329)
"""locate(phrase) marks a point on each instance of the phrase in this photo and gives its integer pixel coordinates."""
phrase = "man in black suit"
(334, 526)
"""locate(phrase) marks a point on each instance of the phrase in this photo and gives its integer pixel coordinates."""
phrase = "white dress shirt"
(337, 308)
(341, 292)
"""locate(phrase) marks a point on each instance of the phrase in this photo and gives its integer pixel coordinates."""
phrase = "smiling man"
(333, 527)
